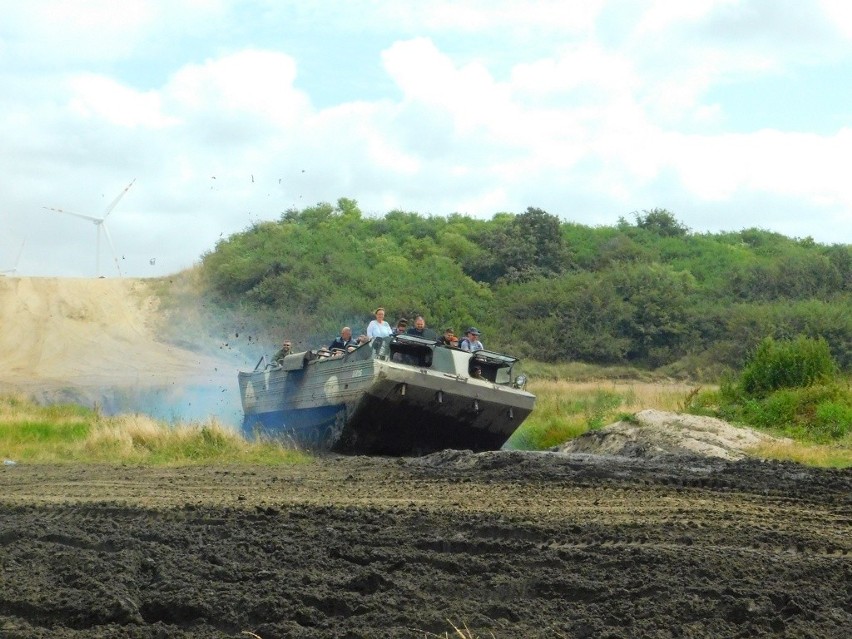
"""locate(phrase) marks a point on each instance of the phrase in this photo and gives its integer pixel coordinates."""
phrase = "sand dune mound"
(654, 433)
(86, 332)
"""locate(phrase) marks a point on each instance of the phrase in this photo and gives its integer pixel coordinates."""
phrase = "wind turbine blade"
(112, 247)
(96, 220)
(115, 201)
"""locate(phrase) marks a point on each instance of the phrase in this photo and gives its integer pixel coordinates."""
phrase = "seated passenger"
(470, 341)
(344, 341)
(379, 327)
(448, 338)
(419, 329)
(401, 326)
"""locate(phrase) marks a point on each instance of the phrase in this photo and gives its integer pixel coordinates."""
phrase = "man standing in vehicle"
(419, 329)
(283, 352)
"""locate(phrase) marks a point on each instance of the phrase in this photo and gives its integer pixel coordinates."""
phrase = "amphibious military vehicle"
(401, 395)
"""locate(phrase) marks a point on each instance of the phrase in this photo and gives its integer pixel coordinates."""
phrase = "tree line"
(646, 292)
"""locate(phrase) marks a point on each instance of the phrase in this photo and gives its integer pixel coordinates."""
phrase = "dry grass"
(638, 395)
(461, 633)
(67, 433)
(825, 456)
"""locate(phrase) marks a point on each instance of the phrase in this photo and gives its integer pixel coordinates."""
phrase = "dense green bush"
(648, 294)
(819, 412)
(788, 386)
(787, 364)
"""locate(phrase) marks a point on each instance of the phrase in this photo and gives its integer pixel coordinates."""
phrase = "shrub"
(832, 420)
(787, 364)
(790, 387)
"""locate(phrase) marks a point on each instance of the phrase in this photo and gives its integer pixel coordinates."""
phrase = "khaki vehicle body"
(392, 396)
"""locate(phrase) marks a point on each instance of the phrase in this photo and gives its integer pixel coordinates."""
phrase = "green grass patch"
(66, 433)
(43, 432)
(566, 410)
(790, 388)
(820, 413)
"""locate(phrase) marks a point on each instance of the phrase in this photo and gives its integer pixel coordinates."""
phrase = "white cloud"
(91, 30)
(97, 97)
(586, 112)
(483, 15)
(839, 13)
(253, 83)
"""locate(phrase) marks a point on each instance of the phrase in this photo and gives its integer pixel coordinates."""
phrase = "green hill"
(647, 293)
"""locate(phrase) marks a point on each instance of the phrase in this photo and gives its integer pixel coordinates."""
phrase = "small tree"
(661, 222)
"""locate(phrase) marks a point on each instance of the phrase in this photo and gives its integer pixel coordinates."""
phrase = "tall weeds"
(72, 434)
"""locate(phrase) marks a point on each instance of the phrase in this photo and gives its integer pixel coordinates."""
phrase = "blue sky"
(732, 114)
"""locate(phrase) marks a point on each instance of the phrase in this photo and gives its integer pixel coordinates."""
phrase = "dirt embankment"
(84, 331)
(95, 341)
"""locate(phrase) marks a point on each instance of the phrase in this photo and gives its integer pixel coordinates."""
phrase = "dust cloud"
(97, 342)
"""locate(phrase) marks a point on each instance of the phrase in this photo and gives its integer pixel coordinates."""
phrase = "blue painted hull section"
(308, 428)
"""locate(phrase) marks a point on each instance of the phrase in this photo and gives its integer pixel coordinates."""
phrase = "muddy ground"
(502, 544)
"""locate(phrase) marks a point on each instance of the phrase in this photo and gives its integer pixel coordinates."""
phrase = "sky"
(730, 114)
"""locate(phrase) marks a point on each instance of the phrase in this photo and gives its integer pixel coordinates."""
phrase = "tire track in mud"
(509, 545)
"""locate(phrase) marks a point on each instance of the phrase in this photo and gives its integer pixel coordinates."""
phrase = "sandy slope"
(81, 336)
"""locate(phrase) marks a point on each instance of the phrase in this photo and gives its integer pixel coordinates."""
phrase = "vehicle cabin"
(425, 353)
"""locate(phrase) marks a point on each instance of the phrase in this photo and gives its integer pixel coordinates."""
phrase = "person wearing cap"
(470, 341)
(379, 327)
(448, 338)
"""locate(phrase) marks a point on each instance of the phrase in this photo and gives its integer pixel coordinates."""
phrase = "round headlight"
(520, 381)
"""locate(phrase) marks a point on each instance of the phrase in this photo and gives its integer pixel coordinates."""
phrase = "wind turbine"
(14, 269)
(100, 223)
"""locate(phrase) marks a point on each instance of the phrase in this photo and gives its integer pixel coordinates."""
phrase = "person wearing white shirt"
(379, 327)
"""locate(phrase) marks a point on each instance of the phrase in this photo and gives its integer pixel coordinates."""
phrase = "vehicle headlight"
(520, 381)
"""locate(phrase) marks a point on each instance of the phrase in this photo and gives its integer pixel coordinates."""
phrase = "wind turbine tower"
(14, 269)
(100, 224)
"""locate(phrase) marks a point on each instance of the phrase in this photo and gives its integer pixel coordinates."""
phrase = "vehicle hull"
(360, 404)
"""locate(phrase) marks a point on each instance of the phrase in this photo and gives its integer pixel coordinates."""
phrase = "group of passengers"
(380, 328)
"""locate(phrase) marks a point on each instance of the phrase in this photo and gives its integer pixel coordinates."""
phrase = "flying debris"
(100, 224)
